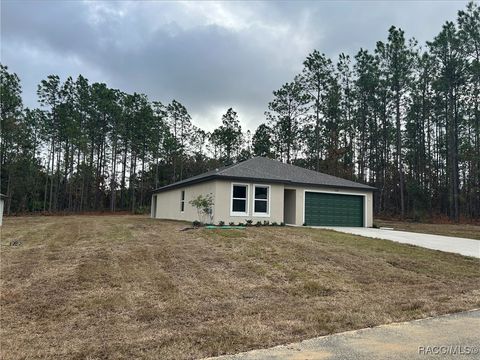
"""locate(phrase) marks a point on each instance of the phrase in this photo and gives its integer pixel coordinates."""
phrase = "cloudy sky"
(208, 55)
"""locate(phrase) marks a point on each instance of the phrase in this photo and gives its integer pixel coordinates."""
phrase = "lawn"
(132, 287)
(468, 231)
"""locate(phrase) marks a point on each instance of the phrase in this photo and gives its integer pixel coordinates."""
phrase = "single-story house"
(262, 189)
(2, 197)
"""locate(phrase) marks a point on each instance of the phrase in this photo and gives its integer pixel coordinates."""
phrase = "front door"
(289, 206)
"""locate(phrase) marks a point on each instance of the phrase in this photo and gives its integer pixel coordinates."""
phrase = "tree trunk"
(46, 185)
(399, 158)
(317, 132)
(133, 180)
(124, 169)
(51, 180)
(9, 192)
(113, 187)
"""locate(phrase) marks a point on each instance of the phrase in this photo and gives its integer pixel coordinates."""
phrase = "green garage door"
(323, 209)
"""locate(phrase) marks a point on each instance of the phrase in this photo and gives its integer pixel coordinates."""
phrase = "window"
(261, 199)
(182, 201)
(239, 199)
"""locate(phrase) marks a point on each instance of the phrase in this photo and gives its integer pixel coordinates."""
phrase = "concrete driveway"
(467, 247)
(445, 337)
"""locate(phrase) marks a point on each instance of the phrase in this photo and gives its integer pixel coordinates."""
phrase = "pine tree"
(261, 141)
(286, 111)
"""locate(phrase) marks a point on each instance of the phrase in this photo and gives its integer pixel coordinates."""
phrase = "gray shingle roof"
(267, 170)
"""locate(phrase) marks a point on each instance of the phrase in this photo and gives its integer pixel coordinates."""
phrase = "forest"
(403, 117)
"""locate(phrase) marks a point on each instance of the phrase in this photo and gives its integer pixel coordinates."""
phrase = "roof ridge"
(234, 165)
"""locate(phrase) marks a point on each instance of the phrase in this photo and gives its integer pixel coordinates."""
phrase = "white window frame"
(261, 214)
(238, 213)
(365, 206)
(182, 200)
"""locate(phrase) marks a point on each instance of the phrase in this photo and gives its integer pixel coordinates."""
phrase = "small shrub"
(274, 223)
(221, 223)
(241, 224)
(231, 223)
(304, 224)
(204, 206)
(196, 224)
(266, 223)
(282, 224)
(249, 222)
(417, 217)
(259, 223)
(141, 210)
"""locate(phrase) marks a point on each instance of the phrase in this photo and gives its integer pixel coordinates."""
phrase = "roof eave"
(276, 181)
(188, 182)
(362, 187)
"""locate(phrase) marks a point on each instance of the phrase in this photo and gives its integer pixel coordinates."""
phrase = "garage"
(328, 209)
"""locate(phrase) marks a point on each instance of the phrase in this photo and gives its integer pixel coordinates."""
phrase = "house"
(263, 189)
(2, 197)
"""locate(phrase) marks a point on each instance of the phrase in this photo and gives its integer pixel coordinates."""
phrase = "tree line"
(404, 118)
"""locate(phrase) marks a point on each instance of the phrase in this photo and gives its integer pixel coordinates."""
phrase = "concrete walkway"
(437, 338)
(466, 247)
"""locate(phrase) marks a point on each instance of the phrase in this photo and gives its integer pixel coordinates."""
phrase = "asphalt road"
(454, 336)
(462, 246)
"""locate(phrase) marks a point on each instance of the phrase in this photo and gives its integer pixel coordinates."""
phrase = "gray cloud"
(209, 56)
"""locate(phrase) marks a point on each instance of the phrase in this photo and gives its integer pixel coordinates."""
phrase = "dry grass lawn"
(124, 287)
(468, 231)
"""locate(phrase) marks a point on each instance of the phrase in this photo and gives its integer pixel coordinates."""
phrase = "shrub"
(204, 206)
(304, 224)
(282, 224)
(249, 222)
(241, 224)
(221, 223)
(418, 216)
(196, 224)
(266, 223)
(231, 223)
(259, 223)
(274, 223)
(141, 210)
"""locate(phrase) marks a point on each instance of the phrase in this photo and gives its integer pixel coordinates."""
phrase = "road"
(453, 336)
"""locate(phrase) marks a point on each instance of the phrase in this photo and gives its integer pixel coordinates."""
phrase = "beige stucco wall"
(168, 202)
(300, 192)
(223, 203)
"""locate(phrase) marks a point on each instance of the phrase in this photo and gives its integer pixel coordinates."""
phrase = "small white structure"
(2, 197)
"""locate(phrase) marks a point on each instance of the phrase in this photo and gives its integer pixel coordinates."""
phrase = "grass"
(468, 231)
(132, 287)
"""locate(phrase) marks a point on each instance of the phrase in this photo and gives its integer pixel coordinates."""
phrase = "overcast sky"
(208, 55)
